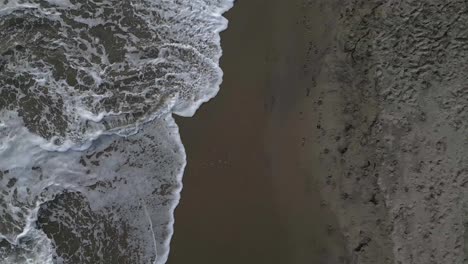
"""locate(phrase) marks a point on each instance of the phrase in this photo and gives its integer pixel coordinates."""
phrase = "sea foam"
(91, 161)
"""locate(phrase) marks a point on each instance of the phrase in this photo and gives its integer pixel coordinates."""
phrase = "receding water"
(90, 156)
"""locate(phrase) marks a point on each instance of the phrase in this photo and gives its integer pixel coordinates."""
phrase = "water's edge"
(89, 175)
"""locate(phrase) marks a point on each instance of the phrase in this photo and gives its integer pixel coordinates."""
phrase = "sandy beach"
(248, 193)
(338, 136)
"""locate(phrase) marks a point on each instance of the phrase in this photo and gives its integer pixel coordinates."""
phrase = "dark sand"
(339, 136)
(249, 191)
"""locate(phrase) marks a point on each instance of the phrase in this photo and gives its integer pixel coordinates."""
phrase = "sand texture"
(393, 125)
(344, 137)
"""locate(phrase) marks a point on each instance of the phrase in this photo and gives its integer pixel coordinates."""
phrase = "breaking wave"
(90, 156)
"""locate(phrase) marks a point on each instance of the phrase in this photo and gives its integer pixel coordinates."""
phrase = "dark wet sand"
(249, 196)
(328, 143)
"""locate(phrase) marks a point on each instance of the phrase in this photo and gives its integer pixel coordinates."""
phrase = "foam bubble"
(87, 142)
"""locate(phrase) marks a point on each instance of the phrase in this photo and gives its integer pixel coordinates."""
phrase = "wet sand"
(250, 195)
(339, 136)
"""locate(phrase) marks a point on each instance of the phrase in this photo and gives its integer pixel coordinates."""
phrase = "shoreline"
(234, 207)
(335, 138)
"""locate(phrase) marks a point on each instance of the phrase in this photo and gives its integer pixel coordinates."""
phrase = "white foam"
(61, 3)
(146, 155)
(18, 147)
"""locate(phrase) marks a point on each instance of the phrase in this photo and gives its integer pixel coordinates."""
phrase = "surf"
(88, 144)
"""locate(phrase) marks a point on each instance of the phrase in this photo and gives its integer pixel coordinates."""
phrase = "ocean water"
(91, 161)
